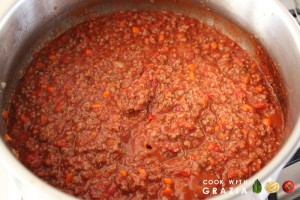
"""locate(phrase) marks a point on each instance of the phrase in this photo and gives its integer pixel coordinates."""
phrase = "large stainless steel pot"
(26, 24)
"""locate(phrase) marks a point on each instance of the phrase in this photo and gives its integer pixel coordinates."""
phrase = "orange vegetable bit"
(123, 172)
(96, 106)
(88, 52)
(142, 171)
(257, 165)
(212, 162)
(167, 191)
(168, 181)
(214, 45)
(246, 79)
(253, 66)
(267, 121)
(135, 29)
(52, 57)
(106, 93)
(5, 114)
(223, 121)
(161, 37)
(69, 178)
(259, 88)
(192, 67)
(217, 128)
(50, 89)
(147, 41)
(7, 138)
(192, 75)
(94, 134)
(247, 108)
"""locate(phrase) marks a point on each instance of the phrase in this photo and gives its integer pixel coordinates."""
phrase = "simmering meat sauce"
(143, 105)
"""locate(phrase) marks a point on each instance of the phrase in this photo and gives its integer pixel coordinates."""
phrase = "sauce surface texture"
(143, 105)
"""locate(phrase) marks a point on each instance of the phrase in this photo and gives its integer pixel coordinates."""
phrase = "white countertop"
(8, 188)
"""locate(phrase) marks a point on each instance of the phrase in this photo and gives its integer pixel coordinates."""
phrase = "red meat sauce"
(143, 105)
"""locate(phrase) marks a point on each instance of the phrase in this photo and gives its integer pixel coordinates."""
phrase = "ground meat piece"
(135, 95)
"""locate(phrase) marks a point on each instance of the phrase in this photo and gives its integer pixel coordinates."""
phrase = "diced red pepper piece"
(50, 89)
(69, 178)
(62, 143)
(260, 105)
(151, 117)
(5, 114)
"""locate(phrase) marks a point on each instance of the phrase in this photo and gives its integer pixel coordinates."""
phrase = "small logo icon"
(256, 187)
(288, 186)
(272, 186)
